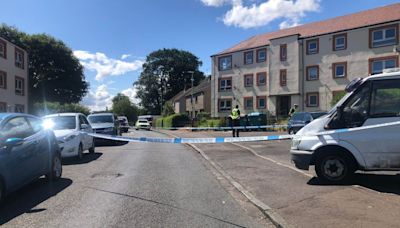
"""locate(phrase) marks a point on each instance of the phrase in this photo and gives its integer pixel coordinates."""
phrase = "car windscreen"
(316, 115)
(63, 122)
(297, 116)
(101, 119)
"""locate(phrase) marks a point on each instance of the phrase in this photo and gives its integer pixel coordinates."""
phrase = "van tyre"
(334, 167)
(80, 152)
(92, 149)
(55, 169)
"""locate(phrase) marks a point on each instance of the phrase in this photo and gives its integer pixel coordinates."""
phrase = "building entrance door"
(283, 106)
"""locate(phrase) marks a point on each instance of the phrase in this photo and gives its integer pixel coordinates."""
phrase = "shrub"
(47, 108)
(175, 120)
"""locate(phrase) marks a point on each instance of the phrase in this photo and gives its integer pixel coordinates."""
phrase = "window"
(3, 49)
(3, 80)
(19, 108)
(248, 103)
(312, 73)
(196, 99)
(36, 124)
(283, 52)
(355, 109)
(248, 80)
(340, 42)
(383, 36)
(312, 99)
(225, 84)
(377, 65)
(261, 55)
(17, 128)
(282, 77)
(385, 99)
(312, 46)
(225, 63)
(3, 107)
(261, 102)
(19, 58)
(225, 104)
(339, 70)
(248, 57)
(261, 79)
(19, 86)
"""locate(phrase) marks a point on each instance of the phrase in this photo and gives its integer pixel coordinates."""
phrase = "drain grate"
(107, 175)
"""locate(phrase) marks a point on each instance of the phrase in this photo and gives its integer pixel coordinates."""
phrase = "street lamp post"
(162, 88)
(191, 99)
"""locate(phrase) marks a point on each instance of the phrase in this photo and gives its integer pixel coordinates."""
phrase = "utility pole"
(191, 99)
(162, 86)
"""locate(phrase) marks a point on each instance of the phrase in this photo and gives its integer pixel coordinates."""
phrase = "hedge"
(175, 120)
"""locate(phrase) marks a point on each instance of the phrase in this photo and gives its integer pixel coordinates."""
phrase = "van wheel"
(334, 167)
(92, 149)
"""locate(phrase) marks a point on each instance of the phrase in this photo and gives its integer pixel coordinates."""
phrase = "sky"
(112, 38)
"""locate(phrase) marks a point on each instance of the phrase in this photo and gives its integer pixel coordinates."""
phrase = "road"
(132, 185)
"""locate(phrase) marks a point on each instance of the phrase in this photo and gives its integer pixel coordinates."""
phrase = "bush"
(42, 109)
(175, 120)
(211, 123)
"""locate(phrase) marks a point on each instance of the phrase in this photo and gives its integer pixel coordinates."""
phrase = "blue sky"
(113, 37)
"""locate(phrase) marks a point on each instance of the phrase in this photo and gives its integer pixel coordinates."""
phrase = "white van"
(338, 143)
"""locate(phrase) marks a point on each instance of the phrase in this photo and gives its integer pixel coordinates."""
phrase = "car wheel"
(92, 149)
(80, 152)
(2, 191)
(334, 167)
(55, 169)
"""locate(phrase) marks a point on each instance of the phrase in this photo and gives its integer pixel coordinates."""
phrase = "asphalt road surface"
(132, 185)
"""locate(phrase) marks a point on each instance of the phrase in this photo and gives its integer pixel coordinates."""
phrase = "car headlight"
(69, 138)
(296, 142)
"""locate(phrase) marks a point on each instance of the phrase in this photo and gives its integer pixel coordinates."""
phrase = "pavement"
(133, 185)
(264, 170)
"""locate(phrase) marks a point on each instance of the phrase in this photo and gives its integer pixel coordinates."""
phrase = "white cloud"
(99, 99)
(125, 56)
(256, 15)
(131, 93)
(105, 66)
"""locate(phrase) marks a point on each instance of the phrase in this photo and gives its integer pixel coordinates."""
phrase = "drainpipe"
(301, 49)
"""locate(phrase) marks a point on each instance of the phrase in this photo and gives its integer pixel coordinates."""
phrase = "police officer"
(235, 116)
(293, 110)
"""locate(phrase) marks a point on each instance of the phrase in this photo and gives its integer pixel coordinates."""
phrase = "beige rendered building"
(13, 77)
(305, 65)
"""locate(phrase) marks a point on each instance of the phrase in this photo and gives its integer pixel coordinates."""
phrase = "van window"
(355, 110)
(385, 100)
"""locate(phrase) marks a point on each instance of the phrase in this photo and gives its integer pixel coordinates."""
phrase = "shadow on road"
(378, 182)
(86, 159)
(104, 142)
(25, 199)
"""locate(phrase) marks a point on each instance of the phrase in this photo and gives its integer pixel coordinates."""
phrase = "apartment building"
(306, 65)
(13, 77)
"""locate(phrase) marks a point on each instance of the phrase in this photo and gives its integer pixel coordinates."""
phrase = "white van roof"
(387, 73)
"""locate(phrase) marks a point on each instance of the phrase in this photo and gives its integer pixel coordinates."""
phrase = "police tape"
(192, 140)
(222, 128)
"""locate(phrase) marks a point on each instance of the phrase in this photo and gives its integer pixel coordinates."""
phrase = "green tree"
(168, 109)
(122, 106)
(336, 97)
(165, 73)
(55, 74)
(47, 108)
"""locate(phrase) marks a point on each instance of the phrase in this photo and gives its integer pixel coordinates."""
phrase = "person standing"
(293, 110)
(235, 116)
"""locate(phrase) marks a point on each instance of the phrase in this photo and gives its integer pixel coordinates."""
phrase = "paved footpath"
(264, 169)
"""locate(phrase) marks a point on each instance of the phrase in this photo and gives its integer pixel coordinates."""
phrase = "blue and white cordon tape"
(234, 139)
(222, 128)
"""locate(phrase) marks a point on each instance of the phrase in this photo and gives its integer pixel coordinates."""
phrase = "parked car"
(345, 147)
(123, 124)
(70, 129)
(27, 152)
(104, 123)
(301, 119)
(142, 124)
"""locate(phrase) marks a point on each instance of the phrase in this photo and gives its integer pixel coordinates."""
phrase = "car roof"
(63, 114)
(5, 115)
(102, 114)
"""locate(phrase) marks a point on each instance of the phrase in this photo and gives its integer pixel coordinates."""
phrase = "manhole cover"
(106, 175)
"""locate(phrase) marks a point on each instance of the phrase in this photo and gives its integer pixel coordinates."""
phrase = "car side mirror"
(84, 126)
(12, 142)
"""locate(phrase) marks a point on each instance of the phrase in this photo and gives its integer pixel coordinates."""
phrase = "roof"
(364, 18)
(199, 88)
(63, 114)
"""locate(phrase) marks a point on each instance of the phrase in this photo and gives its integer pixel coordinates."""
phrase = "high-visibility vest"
(235, 114)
